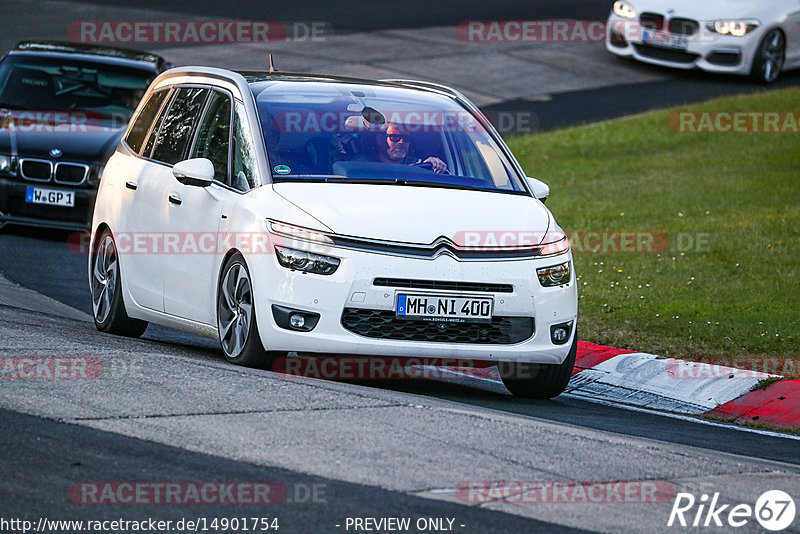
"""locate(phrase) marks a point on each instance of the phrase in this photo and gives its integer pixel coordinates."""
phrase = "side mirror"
(540, 189)
(197, 172)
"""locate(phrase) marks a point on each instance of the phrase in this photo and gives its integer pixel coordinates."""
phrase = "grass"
(726, 288)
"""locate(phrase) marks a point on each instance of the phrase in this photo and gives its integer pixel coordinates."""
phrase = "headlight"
(307, 262)
(5, 164)
(296, 232)
(624, 10)
(737, 28)
(554, 276)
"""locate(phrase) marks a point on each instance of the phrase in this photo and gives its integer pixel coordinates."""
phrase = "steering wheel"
(427, 165)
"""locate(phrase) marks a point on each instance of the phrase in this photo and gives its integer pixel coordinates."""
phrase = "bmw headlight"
(5, 164)
(554, 276)
(307, 262)
(624, 10)
(736, 28)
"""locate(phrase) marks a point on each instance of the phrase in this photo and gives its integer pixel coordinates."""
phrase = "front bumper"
(15, 210)
(707, 51)
(352, 288)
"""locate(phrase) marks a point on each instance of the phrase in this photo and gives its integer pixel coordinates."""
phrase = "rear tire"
(236, 318)
(108, 306)
(539, 381)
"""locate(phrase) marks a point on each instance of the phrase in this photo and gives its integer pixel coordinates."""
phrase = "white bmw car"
(286, 213)
(759, 39)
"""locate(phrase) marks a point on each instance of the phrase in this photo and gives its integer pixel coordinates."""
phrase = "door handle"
(175, 199)
(131, 185)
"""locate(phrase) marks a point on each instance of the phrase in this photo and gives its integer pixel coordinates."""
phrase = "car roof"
(245, 79)
(107, 54)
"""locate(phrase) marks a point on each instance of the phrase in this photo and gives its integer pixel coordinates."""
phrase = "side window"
(141, 126)
(213, 135)
(176, 130)
(151, 139)
(244, 175)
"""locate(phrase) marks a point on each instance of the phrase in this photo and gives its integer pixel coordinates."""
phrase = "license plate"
(446, 309)
(51, 197)
(665, 39)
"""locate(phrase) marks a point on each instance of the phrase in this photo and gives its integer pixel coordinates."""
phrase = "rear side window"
(176, 129)
(142, 123)
(213, 135)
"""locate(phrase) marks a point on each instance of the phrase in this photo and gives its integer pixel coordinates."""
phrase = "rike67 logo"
(774, 510)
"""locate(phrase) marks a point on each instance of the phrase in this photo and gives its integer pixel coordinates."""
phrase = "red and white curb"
(648, 381)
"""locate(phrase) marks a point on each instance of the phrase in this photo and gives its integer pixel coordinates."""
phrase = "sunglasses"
(396, 138)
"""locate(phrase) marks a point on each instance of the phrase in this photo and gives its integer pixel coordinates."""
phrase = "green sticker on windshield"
(282, 169)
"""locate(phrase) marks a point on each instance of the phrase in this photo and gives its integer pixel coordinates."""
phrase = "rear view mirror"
(198, 172)
(539, 189)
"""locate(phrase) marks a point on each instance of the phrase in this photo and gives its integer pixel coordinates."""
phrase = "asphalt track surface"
(41, 260)
(49, 457)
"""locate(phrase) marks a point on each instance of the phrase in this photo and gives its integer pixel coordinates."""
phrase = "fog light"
(297, 321)
(294, 319)
(559, 333)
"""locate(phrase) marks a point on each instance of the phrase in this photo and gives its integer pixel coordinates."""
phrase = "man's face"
(397, 143)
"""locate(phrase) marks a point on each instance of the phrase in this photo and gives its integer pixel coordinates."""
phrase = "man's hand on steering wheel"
(437, 165)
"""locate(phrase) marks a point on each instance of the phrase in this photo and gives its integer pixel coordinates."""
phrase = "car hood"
(88, 143)
(709, 9)
(418, 215)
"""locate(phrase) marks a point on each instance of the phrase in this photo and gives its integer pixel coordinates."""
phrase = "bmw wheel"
(107, 304)
(770, 57)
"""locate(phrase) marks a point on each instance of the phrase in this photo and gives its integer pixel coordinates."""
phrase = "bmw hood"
(701, 11)
(421, 215)
(86, 142)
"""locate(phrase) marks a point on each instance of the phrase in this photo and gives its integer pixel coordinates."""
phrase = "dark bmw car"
(63, 109)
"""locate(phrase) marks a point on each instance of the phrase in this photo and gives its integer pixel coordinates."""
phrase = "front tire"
(770, 57)
(236, 317)
(539, 381)
(108, 307)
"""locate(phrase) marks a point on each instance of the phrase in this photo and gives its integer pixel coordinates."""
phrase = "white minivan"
(303, 214)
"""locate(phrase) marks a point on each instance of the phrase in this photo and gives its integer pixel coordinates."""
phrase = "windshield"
(353, 133)
(106, 92)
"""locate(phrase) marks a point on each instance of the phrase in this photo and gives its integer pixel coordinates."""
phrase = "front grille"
(71, 173)
(443, 285)
(652, 21)
(36, 169)
(680, 26)
(666, 54)
(384, 324)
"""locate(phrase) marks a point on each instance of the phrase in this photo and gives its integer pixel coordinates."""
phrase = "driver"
(394, 146)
